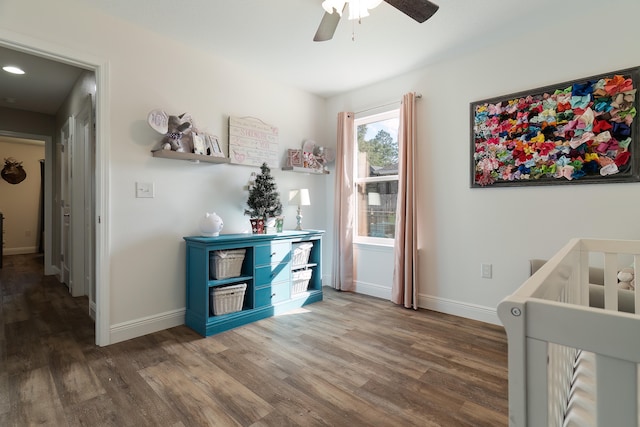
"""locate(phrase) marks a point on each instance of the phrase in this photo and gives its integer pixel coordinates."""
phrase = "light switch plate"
(145, 190)
(486, 271)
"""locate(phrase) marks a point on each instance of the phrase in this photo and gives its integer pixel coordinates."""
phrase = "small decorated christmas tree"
(264, 200)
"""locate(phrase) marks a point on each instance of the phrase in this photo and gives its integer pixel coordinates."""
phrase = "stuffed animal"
(177, 130)
(626, 279)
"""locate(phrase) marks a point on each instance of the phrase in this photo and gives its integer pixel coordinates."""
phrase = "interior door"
(77, 204)
(66, 164)
(85, 154)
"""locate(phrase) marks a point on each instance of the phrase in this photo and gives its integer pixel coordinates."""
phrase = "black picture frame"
(507, 149)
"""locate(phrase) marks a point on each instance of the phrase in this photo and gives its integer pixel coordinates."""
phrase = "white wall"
(460, 227)
(20, 203)
(147, 71)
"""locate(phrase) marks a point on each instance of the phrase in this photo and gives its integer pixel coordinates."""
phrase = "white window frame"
(391, 114)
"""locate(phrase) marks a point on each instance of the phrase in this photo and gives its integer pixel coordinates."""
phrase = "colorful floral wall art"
(583, 131)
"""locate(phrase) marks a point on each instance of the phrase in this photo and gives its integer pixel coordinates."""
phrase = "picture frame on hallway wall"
(583, 131)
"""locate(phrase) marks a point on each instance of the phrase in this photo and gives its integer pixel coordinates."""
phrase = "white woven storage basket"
(300, 254)
(300, 281)
(225, 264)
(227, 299)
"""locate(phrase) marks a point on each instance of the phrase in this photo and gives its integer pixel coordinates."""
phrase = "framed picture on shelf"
(294, 158)
(198, 144)
(577, 132)
(212, 146)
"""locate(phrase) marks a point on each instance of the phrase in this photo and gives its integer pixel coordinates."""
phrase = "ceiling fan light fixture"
(418, 10)
(360, 8)
(330, 5)
(357, 8)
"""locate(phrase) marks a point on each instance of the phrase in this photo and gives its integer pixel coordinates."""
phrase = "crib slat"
(617, 399)
(537, 384)
(610, 282)
(583, 279)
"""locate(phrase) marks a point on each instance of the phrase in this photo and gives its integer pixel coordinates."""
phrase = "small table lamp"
(299, 198)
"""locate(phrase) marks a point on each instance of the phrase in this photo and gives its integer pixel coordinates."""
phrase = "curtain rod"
(418, 96)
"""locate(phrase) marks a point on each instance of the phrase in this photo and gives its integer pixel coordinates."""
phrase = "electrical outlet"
(486, 271)
(145, 190)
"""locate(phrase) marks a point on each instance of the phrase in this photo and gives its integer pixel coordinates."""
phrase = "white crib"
(571, 364)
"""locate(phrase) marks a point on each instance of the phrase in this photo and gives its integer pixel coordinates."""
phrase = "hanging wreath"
(13, 172)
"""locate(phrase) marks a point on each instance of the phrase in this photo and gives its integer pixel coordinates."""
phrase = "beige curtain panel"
(405, 282)
(344, 214)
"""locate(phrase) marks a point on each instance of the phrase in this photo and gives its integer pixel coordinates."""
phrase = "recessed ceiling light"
(13, 69)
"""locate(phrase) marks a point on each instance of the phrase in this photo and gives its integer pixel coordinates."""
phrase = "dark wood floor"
(349, 360)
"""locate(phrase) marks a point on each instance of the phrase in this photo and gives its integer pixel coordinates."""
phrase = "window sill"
(372, 241)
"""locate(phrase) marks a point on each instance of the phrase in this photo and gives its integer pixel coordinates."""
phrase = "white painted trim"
(39, 142)
(92, 310)
(102, 243)
(374, 247)
(146, 325)
(100, 66)
(460, 309)
(373, 289)
(441, 305)
(21, 251)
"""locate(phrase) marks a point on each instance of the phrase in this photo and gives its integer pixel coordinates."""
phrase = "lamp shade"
(299, 197)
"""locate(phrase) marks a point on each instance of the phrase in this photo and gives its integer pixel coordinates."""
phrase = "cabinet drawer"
(272, 294)
(275, 252)
(273, 273)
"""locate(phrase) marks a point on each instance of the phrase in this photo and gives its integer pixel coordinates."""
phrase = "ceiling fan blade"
(419, 10)
(327, 27)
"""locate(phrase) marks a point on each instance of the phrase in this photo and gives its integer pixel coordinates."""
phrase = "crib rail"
(549, 324)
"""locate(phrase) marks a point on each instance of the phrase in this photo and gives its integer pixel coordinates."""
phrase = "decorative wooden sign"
(252, 142)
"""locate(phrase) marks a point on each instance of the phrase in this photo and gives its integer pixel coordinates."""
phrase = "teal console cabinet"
(270, 269)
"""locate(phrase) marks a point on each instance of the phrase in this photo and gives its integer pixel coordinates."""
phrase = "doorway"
(91, 237)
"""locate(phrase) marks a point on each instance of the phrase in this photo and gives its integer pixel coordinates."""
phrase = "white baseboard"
(461, 309)
(20, 251)
(373, 289)
(441, 305)
(146, 325)
(51, 270)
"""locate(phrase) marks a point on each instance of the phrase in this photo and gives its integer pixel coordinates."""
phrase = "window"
(376, 177)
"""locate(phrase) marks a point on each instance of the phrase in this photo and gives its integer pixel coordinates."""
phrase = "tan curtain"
(405, 283)
(342, 270)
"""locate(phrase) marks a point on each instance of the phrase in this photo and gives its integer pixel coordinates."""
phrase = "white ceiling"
(274, 38)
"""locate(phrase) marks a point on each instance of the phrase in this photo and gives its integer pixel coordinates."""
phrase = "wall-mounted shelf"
(168, 154)
(305, 170)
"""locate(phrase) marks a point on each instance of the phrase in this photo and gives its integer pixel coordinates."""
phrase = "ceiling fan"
(419, 10)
